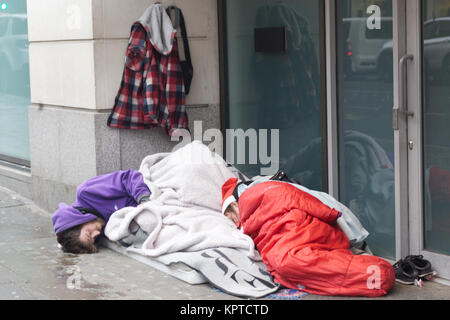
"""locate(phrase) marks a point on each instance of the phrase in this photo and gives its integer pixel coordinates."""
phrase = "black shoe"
(405, 272)
(422, 266)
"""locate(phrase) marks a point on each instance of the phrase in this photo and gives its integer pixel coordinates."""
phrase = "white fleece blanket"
(183, 215)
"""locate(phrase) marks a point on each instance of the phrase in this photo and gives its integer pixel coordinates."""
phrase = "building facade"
(352, 96)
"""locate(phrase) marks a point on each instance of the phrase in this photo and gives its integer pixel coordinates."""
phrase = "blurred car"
(436, 37)
(363, 44)
(436, 34)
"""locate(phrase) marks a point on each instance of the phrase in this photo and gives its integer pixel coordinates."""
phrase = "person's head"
(230, 207)
(232, 213)
(81, 238)
(76, 230)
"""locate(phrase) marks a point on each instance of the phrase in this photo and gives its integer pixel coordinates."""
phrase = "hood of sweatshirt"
(161, 32)
(66, 217)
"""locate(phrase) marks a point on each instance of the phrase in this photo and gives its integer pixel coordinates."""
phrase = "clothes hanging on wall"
(152, 91)
(186, 64)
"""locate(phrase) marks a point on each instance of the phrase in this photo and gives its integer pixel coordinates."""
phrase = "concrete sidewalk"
(32, 267)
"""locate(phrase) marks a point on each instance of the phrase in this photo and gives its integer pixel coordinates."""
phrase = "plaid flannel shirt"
(152, 89)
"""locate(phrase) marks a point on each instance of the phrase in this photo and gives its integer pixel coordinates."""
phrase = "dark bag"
(282, 176)
(186, 66)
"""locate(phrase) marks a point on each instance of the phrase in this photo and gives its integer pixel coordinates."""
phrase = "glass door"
(365, 96)
(429, 132)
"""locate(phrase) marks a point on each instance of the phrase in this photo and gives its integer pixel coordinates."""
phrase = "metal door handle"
(402, 108)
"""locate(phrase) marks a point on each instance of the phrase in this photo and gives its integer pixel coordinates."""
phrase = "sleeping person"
(79, 226)
(300, 241)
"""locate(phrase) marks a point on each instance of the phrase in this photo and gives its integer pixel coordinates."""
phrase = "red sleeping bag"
(303, 247)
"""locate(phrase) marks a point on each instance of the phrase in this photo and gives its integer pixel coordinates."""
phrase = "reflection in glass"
(436, 119)
(365, 100)
(14, 81)
(278, 88)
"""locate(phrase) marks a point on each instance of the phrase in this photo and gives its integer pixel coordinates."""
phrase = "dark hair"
(229, 209)
(71, 243)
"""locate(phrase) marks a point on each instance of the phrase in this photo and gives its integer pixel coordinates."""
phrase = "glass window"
(19, 26)
(385, 32)
(14, 83)
(436, 129)
(444, 29)
(4, 23)
(279, 86)
(430, 30)
(366, 138)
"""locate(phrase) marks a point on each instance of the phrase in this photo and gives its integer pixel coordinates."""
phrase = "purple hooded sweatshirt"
(105, 194)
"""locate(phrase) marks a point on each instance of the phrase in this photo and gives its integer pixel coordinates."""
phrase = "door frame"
(440, 262)
(407, 87)
(408, 97)
(400, 136)
(400, 127)
(331, 97)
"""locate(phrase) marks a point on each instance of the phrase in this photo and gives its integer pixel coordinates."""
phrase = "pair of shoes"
(422, 266)
(405, 272)
(412, 269)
